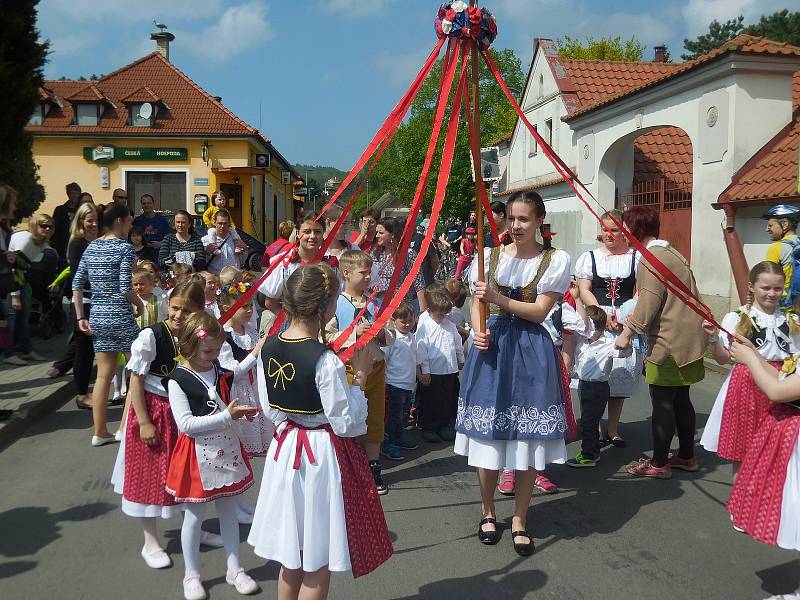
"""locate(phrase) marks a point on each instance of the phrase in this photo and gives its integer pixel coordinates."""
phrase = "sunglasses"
(46, 226)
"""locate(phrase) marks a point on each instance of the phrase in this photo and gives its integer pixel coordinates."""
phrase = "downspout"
(735, 251)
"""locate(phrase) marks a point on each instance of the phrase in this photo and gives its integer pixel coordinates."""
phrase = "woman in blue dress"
(106, 265)
(511, 408)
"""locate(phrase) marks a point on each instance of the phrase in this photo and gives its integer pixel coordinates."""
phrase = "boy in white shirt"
(440, 355)
(593, 368)
(401, 379)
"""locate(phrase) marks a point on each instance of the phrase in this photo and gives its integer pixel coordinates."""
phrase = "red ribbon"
(301, 444)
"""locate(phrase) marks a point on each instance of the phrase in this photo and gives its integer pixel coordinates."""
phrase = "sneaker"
(543, 484)
(431, 437)
(404, 444)
(15, 360)
(684, 464)
(193, 588)
(391, 451)
(380, 484)
(582, 460)
(448, 434)
(243, 583)
(645, 468)
(506, 485)
(34, 356)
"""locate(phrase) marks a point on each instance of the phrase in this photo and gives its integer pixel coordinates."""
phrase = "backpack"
(792, 287)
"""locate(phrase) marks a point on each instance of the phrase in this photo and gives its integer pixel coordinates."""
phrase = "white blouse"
(143, 353)
(187, 422)
(272, 287)
(608, 265)
(518, 272)
(343, 406)
(226, 359)
(770, 350)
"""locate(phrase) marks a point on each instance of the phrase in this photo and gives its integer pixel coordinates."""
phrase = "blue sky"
(326, 73)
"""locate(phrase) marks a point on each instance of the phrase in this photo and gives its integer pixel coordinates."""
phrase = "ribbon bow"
(281, 373)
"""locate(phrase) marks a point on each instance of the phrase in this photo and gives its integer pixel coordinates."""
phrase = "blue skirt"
(513, 390)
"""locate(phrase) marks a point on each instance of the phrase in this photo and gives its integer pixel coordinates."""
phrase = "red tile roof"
(596, 80)
(192, 111)
(665, 152)
(742, 44)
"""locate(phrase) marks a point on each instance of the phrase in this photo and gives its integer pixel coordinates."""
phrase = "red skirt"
(757, 495)
(744, 409)
(572, 426)
(183, 478)
(146, 466)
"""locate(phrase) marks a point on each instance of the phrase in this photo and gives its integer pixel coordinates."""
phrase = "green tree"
(22, 57)
(781, 26)
(605, 48)
(718, 34)
(399, 169)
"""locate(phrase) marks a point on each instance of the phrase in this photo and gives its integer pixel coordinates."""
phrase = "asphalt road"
(604, 536)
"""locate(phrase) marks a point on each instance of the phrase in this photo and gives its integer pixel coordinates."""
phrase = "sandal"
(489, 538)
(522, 549)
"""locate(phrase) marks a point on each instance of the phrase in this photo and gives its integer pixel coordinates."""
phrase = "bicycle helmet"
(783, 211)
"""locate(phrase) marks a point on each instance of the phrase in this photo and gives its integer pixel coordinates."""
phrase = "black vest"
(166, 351)
(238, 352)
(611, 291)
(196, 390)
(290, 370)
(758, 336)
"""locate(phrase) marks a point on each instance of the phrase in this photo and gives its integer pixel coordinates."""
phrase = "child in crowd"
(219, 202)
(740, 406)
(466, 250)
(401, 379)
(233, 276)
(317, 508)
(240, 354)
(355, 267)
(764, 498)
(211, 286)
(208, 463)
(178, 273)
(153, 268)
(155, 305)
(136, 239)
(440, 354)
(458, 294)
(593, 368)
(150, 432)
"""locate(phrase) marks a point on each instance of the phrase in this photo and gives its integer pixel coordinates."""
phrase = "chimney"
(162, 39)
(660, 54)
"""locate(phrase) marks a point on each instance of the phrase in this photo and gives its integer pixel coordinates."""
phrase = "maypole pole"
(476, 166)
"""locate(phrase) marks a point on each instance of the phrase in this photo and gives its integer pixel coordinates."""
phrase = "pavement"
(605, 535)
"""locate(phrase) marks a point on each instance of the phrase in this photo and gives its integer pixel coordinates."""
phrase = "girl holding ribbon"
(318, 510)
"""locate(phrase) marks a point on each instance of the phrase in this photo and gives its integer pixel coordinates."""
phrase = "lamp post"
(308, 187)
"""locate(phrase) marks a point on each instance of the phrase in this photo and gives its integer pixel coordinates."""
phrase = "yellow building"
(148, 128)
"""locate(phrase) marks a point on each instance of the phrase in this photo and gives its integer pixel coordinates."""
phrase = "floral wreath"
(457, 20)
(234, 289)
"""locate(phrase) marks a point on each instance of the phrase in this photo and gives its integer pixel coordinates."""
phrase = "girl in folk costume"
(209, 463)
(607, 278)
(511, 404)
(741, 406)
(241, 353)
(318, 510)
(766, 493)
(211, 286)
(150, 432)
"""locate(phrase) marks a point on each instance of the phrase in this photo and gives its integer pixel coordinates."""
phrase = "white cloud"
(699, 13)
(140, 10)
(355, 8)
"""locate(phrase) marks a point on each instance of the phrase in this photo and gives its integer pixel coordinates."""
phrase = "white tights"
(228, 526)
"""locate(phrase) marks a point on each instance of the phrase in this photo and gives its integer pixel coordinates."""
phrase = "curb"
(27, 415)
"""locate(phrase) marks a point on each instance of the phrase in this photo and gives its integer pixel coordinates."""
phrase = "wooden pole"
(476, 165)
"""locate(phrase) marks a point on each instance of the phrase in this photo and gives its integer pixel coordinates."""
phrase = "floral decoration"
(460, 21)
(234, 289)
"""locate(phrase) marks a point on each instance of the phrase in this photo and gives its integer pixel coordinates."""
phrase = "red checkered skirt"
(757, 495)
(744, 409)
(572, 426)
(146, 466)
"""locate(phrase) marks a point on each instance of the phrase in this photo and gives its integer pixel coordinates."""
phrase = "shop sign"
(200, 181)
(106, 153)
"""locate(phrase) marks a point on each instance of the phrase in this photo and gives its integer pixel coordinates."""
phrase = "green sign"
(106, 153)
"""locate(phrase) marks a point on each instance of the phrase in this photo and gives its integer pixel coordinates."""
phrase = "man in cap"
(782, 228)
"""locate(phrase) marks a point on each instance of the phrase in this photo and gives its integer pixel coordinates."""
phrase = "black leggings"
(672, 409)
(79, 355)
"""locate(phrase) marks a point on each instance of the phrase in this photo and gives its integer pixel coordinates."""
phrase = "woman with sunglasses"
(30, 245)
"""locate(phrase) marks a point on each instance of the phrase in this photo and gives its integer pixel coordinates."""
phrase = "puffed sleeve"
(344, 405)
(143, 352)
(81, 276)
(127, 260)
(557, 277)
(272, 287)
(583, 266)
(729, 322)
(189, 424)
(571, 320)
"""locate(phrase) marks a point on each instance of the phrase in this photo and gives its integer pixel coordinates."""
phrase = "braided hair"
(535, 200)
(308, 294)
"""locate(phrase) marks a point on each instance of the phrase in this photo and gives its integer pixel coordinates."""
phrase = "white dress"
(523, 454)
(626, 373)
(299, 519)
(770, 351)
(255, 435)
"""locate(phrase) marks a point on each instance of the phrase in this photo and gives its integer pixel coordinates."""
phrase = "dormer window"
(87, 114)
(38, 115)
(142, 114)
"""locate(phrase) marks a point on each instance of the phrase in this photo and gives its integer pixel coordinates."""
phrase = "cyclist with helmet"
(782, 228)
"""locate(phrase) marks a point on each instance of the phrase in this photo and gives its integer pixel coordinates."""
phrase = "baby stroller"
(47, 309)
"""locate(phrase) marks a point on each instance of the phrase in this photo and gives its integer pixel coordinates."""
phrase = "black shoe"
(82, 405)
(488, 537)
(380, 484)
(523, 549)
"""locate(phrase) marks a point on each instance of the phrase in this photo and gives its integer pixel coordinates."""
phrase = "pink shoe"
(543, 484)
(684, 464)
(645, 468)
(506, 486)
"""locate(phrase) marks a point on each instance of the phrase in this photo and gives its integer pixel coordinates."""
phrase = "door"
(167, 189)
(234, 194)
